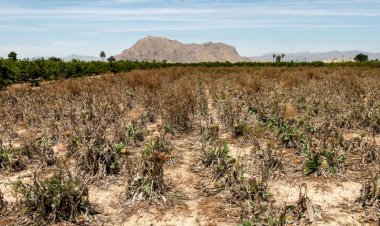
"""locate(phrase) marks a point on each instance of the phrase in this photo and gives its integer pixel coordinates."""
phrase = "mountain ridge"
(153, 48)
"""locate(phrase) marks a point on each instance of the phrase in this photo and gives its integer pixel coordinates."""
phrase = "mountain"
(319, 56)
(160, 49)
(79, 57)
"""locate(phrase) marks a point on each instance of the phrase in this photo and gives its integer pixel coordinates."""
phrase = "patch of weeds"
(258, 209)
(148, 117)
(370, 192)
(40, 149)
(218, 159)
(134, 133)
(169, 130)
(302, 210)
(270, 157)
(148, 182)
(18, 162)
(102, 159)
(242, 130)
(59, 198)
(287, 133)
(371, 151)
(5, 158)
(13, 159)
(3, 203)
(210, 133)
(321, 160)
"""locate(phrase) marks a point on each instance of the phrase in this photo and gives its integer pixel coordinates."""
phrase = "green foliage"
(242, 130)
(12, 159)
(218, 159)
(102, 158)
(278, 59)
(111, 59)
(326, 160)
(361, 58)
(5, 159)
(290, 136)
(102, 55)
(134, 133)
(35, 70)
(12, 56)
(55, 199)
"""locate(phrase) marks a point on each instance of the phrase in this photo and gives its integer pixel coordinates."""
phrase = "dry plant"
(102, 158)
(370, 192)
(3, 203)
(218, 159)
(61, 197)
(148, 180)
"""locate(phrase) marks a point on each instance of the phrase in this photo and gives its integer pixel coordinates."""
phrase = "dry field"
(194, 146)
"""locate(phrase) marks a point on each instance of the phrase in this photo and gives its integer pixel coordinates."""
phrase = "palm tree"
(102, 55)
(274, 56)
(282, 56)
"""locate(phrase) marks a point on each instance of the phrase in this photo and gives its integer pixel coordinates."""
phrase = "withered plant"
(61, 197)
(148, 181)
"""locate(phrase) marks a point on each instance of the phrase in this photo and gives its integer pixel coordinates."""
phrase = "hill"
(160, 49)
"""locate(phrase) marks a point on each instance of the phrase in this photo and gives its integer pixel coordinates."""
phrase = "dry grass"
(294, 120)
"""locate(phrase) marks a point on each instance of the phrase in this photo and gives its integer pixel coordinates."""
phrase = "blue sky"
(62, 27)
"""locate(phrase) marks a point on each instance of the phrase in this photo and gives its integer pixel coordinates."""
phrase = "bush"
(361, 58)
(218, 159)
(102, 159)
(370, 192)
(55, 199)
(148, 182)
(321, 160)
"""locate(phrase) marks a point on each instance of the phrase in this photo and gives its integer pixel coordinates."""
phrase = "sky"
(36, 28)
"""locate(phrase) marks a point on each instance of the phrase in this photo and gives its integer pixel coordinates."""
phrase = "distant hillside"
(160, 49)
(320, 56)
(79, 57)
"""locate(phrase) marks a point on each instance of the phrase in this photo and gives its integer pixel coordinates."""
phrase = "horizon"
(44, 28)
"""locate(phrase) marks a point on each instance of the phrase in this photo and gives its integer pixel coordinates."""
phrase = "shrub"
(218, 159)
(101, 158)
(361, 58)
(321, 159)
(134, 133)
(12, 158)
(370, 192)
(55, 199)
(148, 182)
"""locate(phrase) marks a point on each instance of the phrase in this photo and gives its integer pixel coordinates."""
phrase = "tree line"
(33, 71)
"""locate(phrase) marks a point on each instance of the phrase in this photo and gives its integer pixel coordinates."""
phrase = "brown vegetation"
(230, 145)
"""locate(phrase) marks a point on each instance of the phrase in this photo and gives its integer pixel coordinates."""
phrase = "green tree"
(282, 56)
(361, 58)
(111, 59)
(102, 55)
(274, 56)
(12, 56)
(278, 58)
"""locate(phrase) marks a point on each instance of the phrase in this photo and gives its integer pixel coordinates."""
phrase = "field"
(194, 146)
